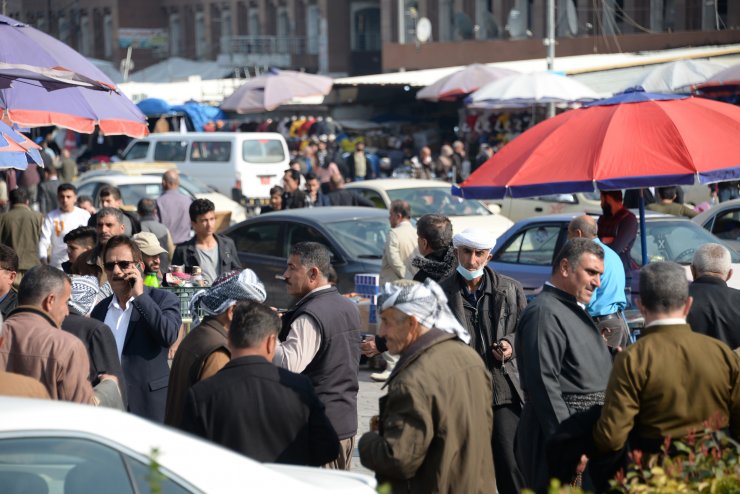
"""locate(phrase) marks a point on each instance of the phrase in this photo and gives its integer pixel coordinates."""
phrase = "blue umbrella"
(16, 150)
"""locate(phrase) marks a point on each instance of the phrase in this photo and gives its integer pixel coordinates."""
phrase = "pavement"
(367, 406)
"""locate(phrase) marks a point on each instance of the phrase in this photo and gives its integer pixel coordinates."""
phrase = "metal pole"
(401, 23)
(550, 44)
(643, 231)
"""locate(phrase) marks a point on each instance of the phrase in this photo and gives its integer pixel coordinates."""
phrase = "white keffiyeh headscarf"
(85, 291)
(427, 302)
(227, 290)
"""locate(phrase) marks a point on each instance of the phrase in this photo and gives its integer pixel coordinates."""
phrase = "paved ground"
(367, 406)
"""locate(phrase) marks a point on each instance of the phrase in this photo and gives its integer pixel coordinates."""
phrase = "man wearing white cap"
(204, 350)
(435, 422)
(489, 305)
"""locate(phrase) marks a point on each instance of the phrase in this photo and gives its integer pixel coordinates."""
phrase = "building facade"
(368, 36)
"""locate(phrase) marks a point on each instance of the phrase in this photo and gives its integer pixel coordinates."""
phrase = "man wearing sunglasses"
(145, 322)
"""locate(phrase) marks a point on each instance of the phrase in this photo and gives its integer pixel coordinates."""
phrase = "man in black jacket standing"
(215, 254)
(716, 308)
(489, 305)
(319, 339)
(286, 424)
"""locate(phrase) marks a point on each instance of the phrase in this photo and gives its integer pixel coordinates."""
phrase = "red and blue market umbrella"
(16, 150)
(632, 140)
(77, 108)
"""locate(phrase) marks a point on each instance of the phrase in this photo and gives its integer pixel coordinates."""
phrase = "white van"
(242, 165)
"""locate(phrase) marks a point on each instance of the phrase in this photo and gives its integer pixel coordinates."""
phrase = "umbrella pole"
(643, 233)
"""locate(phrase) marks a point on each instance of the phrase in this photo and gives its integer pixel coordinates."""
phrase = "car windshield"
(674, 240)
(194, 185)
(439, 200)
(364, 239)
(263, 151)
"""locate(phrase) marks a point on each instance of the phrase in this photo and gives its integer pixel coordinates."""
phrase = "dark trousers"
(509, 479)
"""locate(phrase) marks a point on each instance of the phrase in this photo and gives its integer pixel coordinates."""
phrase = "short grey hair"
(663, 286)
(574, 249)
(115, 212)
(39, 282)
(712, 258)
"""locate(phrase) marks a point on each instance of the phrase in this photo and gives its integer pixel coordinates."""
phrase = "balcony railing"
(267, 45)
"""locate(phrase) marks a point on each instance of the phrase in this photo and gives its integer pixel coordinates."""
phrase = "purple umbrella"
(273, 88)
(49, 79)
(76, 108)
(463, 82)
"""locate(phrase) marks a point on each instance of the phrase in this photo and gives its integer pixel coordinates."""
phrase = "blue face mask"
(469, 275)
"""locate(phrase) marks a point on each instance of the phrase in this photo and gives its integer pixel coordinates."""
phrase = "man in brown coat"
(434, 429)
(12, 384)
(20, 229)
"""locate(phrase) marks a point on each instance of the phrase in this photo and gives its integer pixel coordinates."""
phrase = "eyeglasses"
(124, 265)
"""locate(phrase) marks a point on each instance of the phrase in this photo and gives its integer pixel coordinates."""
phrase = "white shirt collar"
(114, 303)
(672, 321)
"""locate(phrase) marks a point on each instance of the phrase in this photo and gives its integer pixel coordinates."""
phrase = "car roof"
(122, 179)
(208, 135)
(177, 450)
(327, 213)
(566, 217)
(398, 183)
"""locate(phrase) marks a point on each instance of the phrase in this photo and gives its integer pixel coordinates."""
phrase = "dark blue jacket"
(153, 328)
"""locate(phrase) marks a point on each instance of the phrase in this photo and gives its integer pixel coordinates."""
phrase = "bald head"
(583, 226)
(171, 179)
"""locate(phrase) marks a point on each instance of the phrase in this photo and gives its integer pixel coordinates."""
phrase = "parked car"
(526, 252)
(520, 208)
(723, 220)
(432, 196)
(355, 237)
(242, 165)
(135, 186)
(58, 448)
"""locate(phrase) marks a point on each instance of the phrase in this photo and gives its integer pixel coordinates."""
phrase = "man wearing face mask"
(488, 305)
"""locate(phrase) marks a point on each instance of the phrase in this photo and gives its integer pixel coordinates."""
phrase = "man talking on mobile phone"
(145, 322)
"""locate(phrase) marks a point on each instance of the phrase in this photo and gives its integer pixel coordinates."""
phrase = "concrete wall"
(433, 55)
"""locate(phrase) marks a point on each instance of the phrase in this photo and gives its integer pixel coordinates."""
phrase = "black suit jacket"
(716, 310)
(229, 259)
(101, 347)
(153, 328)
(280, 419)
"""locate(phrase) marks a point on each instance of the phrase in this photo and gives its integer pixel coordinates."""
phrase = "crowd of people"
(485, 391)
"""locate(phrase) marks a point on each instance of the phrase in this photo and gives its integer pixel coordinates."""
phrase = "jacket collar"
(248, 360)
(710, 280)
(213, 323)
(414, 351)
(666, 328)
(30, 309)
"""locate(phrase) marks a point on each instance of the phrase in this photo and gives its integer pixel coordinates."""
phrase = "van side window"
(210, 151)
(263, 151)
(170, 151)
(138, 151)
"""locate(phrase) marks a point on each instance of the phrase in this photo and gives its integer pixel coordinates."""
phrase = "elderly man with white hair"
(433, 432)
(489, 305)
(716, 308)
(204, 351)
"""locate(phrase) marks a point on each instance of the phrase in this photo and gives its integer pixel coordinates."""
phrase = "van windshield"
(263, 151)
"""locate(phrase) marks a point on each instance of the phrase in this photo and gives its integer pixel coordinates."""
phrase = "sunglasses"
(124, 265)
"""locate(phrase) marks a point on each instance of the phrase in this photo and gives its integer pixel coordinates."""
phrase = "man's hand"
(134, 278)
(108, 377)
(368, 347)
(374, 423)
(503, 352)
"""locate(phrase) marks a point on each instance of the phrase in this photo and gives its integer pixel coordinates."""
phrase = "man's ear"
(271, 344)
(729, 275)
(48, 302)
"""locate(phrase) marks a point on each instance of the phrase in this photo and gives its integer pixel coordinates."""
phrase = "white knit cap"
(475, 238)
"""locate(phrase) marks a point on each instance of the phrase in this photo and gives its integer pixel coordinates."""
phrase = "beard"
(606, 209)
